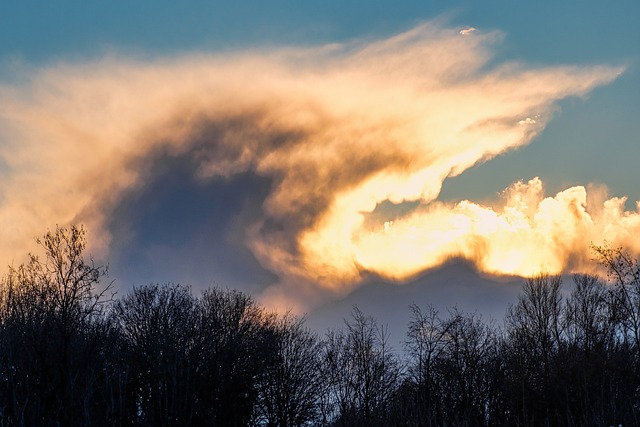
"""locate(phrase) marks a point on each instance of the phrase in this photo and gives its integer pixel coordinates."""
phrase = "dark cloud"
(456, 284)
(179, 227)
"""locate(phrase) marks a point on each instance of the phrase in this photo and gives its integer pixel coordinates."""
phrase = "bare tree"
(534, 331)
(52, 316)
(624, 273)
(425, 343)
(537, 317)
(156, 324)
(291, 384)
(463, 369)
(237, 343)
(362, 371)
(589, 314)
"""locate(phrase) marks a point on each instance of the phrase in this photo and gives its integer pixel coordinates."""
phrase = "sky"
(324, 154)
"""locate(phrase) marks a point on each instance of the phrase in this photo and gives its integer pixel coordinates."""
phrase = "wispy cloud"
(339, 129)
(527, 121)
(466, 31)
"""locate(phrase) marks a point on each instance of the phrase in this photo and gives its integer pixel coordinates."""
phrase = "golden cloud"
(340, 130)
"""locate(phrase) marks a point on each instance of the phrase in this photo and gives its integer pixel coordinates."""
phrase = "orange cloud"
(340, 129)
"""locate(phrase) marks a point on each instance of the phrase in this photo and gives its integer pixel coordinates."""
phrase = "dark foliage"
(70, 355)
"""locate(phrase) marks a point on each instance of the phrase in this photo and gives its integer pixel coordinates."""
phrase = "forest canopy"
(74, 353)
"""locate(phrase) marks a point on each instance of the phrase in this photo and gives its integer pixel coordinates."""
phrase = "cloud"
(523, 234)
(466, 31)
(340, 130)
(527, 121)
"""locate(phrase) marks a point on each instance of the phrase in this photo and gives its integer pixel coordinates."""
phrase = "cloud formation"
(341, 130)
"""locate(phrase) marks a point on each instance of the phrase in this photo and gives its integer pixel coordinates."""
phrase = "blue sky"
(173, 227)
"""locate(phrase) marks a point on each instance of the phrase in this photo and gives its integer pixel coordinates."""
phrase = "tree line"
(72, 354)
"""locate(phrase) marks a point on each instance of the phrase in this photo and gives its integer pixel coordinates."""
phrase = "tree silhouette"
(156, 326)
(291, 384)
(236, 340)
(52, 326)
(72, 355)
(361, 372)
